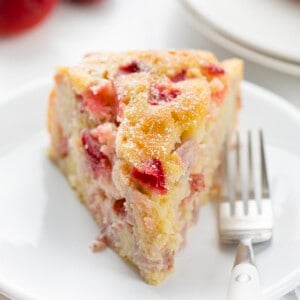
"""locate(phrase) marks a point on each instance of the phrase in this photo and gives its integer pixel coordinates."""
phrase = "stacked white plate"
(265, 32)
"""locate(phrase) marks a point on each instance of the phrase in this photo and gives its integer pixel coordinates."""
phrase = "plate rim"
(223, 40)
(9, 289)
(24, 88)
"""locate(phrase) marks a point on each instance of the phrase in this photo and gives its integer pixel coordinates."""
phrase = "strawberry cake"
(139, 137)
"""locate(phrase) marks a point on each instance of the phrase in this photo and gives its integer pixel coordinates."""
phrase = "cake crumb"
(97, 245)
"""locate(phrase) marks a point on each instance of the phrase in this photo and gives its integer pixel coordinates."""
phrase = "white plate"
(45, 231)
(207, 21)
(271, 26)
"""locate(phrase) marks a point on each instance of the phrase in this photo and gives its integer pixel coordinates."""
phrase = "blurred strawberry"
(19, 15)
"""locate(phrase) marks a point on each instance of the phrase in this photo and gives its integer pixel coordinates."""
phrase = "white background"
(73, 30)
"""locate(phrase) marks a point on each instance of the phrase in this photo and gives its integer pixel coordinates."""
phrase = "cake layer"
(139, 136)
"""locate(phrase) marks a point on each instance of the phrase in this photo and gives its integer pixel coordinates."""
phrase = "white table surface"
(116, 25)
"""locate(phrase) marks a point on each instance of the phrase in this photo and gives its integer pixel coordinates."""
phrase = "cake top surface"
(175, 65)
(158, 100)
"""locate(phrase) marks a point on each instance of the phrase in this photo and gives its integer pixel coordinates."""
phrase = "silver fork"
(245, 213)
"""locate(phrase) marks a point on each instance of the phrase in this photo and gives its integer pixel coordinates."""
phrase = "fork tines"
(247, 205)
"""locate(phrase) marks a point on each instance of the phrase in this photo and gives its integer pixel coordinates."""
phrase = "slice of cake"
(139, 136)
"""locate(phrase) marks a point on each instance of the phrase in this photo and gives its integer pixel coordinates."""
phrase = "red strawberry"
(197, 182)
(97, 160)
(19, 15)
(179, 76)
(119, 207)
(152, 175)
(132, 67)
(160, 94)
(212, 69)
(101, 100)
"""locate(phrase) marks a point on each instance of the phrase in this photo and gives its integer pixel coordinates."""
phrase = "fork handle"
(244, 281)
